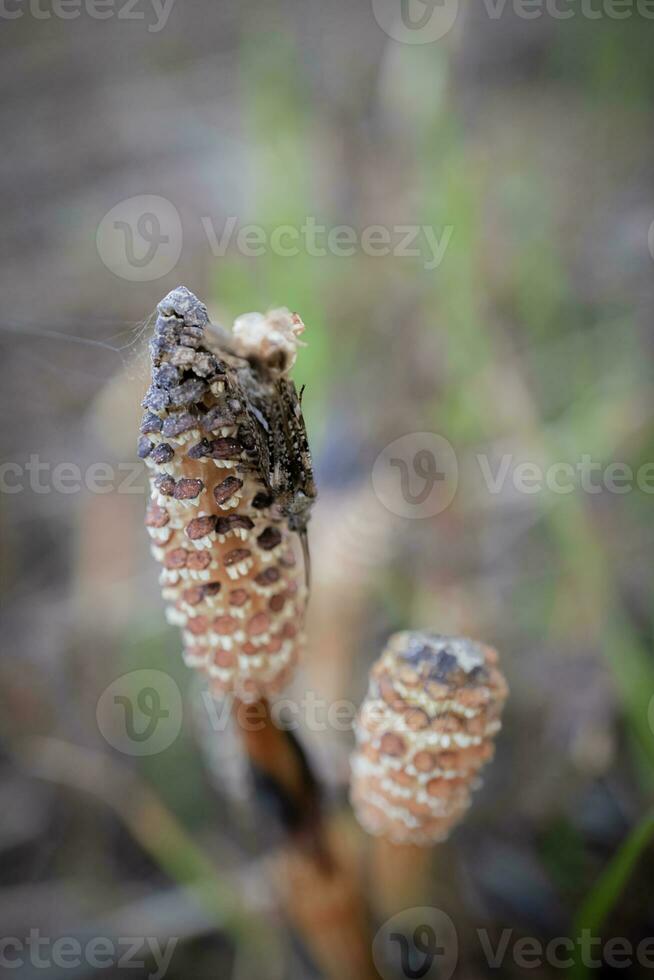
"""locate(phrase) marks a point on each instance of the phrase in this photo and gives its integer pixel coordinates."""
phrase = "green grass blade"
(610, 885)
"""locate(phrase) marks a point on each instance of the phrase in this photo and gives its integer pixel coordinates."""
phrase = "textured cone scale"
(424, 731)
(231, 485)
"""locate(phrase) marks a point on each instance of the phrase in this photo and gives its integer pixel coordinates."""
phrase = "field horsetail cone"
(424, 731)
(231, 490)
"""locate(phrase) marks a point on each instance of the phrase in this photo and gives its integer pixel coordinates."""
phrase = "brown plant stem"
(400, 876)
(316, 872)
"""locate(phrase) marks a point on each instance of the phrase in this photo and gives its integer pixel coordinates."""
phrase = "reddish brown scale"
(199, 527)
(188, 489)
(156, 516)
(193, 596)
(277, 602)
(226, 490)
(198, 560)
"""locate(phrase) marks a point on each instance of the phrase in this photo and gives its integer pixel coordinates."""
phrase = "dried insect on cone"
(231, 488)
(423, 732)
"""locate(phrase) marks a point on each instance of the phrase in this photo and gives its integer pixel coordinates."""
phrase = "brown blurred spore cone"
(424, 730)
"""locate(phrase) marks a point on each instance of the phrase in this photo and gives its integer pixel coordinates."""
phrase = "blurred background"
(481, 289)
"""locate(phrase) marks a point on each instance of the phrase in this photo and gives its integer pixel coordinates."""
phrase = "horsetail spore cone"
(231, 490)
(424, 730)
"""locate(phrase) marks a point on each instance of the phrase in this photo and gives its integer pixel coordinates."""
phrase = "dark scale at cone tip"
(182, 303)
(443, 655)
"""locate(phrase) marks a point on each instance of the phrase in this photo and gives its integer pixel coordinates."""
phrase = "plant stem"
(316, 875)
